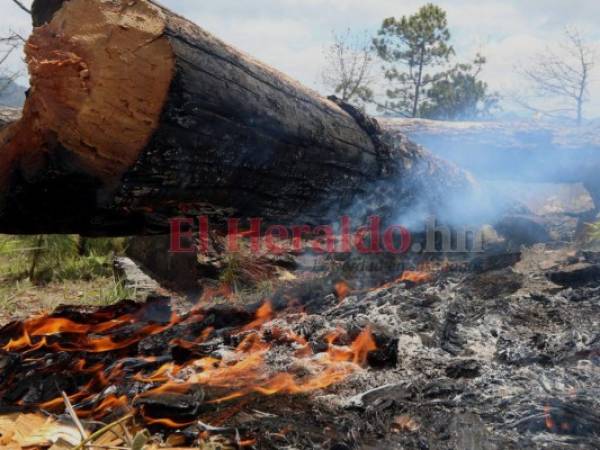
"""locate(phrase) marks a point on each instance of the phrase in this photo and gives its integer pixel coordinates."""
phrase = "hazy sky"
(291, 34)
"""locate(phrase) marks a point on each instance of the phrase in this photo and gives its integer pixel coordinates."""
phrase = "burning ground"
(484, 354)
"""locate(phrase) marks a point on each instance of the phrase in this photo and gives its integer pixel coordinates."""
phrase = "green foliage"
(38, 273)
(460, 95)
(415, 49)
(43, 259)
(593, 232)
(232, 274)
(419, 42)
(115, 292)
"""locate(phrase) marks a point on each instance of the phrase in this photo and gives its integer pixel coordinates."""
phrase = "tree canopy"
(416, 52)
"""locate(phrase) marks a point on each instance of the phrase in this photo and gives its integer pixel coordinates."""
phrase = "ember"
(416, 277)
(342, 290)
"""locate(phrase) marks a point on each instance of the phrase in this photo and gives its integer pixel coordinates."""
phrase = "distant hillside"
(12, 95)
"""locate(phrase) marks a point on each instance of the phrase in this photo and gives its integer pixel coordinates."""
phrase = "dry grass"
(593, 232)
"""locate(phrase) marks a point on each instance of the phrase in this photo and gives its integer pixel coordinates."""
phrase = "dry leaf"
(405, 423)
(175, 440)
(286, 275)
(140, 440)
(61, 445)
(35, 430)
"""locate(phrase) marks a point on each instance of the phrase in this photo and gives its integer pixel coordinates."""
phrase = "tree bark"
(135, 115)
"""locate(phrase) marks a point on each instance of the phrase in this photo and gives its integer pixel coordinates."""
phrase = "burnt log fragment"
(575, 275)
(177, 407)
(468, 368)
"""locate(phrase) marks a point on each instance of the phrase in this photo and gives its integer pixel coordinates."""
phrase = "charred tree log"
(518, 151)
(136, 115)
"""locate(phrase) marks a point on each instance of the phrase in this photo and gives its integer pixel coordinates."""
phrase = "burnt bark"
(234, 138)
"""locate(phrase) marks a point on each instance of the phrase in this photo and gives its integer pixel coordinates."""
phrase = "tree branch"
(22, 6)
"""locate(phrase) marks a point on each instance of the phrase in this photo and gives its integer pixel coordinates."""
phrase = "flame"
(342, 290)
(235, 374)
(263, 315)
(416, 277)
(550, 423)
(45, 327)
(109, 405)
(168, 422)
(357, 353)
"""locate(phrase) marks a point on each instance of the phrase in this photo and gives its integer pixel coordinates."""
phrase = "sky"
(292, 34)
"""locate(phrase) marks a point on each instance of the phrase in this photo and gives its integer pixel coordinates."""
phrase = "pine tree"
(420, 42)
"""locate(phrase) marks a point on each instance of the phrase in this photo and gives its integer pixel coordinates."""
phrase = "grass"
(593, 232)
(38, 273)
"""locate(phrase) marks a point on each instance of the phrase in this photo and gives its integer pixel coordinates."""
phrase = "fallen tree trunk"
(136, 115)
(516, 151)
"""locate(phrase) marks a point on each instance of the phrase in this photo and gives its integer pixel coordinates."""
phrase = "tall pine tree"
(419, 42)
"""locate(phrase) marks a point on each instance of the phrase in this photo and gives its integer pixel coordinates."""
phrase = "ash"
(500, 355)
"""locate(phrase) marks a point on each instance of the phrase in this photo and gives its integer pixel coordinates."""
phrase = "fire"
(167, 422)
(550, 423)
(46, 327)
(342, 290)
(415, 277)
(246, 370)
(357, 353)
(263, 315)
(412, 276)
(235, 374)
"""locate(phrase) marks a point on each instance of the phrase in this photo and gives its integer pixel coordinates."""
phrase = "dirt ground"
(21, 300)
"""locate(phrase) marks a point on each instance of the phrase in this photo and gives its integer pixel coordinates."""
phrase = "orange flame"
(263, 315)
(416, 277)
(238, 372)
(342, 290)
(550, 423)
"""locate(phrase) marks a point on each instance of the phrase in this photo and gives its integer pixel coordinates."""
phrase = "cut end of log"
(100, 75)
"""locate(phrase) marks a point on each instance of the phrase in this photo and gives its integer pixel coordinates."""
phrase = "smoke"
(520, 168)
(441, 190)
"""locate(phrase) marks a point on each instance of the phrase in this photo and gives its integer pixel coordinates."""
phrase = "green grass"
(44, 259)
(37, 273)
(593, 232)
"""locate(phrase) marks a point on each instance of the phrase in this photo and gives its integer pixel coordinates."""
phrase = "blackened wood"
(235, 138)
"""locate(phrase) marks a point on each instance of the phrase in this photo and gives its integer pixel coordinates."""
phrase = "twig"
(36, 257)
(263, 414)
(126, 434)
(22, 6)
(207, 427)
(101, 431)
(73, 414)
